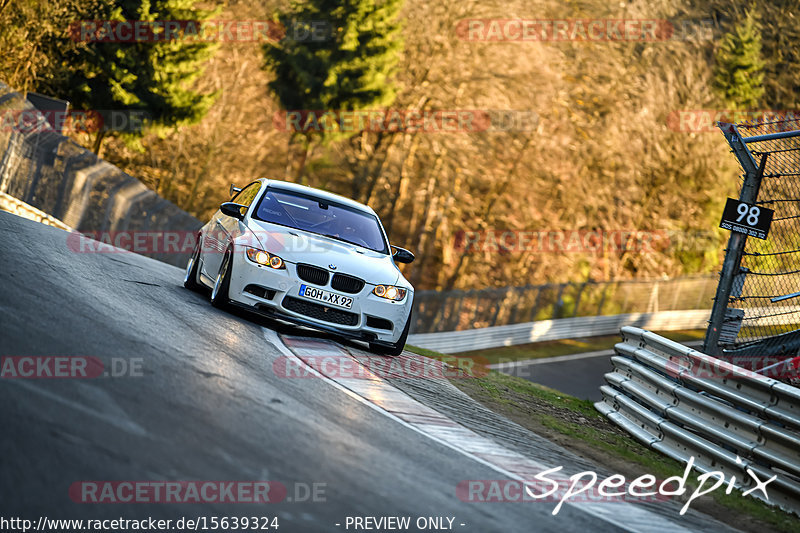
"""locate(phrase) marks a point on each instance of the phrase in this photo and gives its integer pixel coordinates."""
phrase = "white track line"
(570, 357)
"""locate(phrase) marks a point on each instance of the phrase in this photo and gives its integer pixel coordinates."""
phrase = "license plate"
(330, 298)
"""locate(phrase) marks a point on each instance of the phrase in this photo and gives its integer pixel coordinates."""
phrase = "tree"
(335, 56)
(781, 53)
(738, 72)
(152, 77)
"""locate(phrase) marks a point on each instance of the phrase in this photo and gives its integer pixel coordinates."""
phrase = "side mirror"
(234, 190)
(401, 255)
(233, 210)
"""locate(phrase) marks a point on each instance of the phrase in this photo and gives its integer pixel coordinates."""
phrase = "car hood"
(298, 246)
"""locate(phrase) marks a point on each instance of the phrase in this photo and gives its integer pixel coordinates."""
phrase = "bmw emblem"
(332, 266)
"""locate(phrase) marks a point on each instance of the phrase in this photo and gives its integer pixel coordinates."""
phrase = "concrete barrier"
(68, 182)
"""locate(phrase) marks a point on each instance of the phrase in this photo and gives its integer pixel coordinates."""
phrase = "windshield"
(307, 213)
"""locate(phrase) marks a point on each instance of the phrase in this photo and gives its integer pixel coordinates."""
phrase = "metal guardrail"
(562, 328)
(684, 403)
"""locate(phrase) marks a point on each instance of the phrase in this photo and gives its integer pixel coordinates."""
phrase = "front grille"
(312, 274)
(345, 283)
(320, 312)
(379, 323)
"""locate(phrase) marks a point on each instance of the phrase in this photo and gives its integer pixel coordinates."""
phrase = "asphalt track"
(580, 375)
(577, 376)
(206, 405)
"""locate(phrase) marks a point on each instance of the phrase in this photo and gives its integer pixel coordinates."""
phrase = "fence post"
(578, 299)
(535, 309)
(736, 242)
(558, 305)
(603, 299)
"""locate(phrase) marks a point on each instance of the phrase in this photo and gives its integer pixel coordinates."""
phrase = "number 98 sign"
(747, 218)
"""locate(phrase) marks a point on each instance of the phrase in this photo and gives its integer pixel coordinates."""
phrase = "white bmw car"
(308, 257)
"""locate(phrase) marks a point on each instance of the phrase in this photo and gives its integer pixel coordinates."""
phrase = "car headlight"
(390, 292)
(263, 258)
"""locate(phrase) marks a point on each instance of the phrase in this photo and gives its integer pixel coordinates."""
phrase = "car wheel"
(190, 279)
(396, 348)
(219, 295)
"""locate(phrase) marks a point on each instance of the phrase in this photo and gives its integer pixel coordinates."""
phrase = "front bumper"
(266, 290)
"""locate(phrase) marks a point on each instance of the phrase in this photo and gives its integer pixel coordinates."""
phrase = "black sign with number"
(750, 219)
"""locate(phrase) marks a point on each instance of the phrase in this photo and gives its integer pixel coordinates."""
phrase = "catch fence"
(758, 308)
(439, 311)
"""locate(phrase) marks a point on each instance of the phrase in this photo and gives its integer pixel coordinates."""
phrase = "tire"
(219, 294)
(192, 268)
(396, 348)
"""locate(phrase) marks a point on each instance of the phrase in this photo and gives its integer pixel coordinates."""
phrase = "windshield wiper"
(334, 237)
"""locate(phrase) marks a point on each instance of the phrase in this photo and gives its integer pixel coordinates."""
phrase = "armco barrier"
(55, 175)
(562, 328)
(684, 403)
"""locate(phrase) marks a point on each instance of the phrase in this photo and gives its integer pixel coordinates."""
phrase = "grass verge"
(576, 425)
